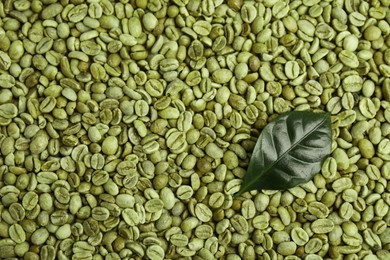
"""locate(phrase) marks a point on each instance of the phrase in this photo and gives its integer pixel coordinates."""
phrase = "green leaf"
(290, 151)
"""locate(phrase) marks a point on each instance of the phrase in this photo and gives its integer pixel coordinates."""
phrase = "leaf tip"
(238, 193)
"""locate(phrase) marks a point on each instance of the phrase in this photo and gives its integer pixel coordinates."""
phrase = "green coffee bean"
(17, 233)
(299, 236)
(39, 236)
(313, 246)
(202, 212)
(5, 61)
(286, 248)
(322, 226)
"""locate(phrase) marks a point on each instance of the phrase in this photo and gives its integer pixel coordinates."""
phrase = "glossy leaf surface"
(289, 151)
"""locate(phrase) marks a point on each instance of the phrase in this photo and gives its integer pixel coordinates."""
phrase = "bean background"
(126, 127)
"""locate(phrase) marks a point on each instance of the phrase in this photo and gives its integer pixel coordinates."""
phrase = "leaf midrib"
(277, 160)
